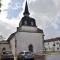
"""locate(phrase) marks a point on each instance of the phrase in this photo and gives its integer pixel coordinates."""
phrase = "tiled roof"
(3, 42)
(52, 39)
(11, 36)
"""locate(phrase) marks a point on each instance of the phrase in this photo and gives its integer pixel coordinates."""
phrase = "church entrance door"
(30, 47)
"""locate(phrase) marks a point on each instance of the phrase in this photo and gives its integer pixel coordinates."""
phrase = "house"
(28, 36)
(52, 44)
(4, 45)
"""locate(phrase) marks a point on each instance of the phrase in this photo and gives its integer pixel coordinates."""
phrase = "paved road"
(40, 58)
(53, 57)
(49, 57)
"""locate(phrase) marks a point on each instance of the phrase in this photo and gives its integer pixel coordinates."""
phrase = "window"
(7, 52)
(54, 44)
(3, 49)
(25, 22)
(57, 43)
(21, 53)
(27, 52)
(57, 48)
(32, 23)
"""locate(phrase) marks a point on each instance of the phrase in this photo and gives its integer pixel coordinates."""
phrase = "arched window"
(32, 23)
(3, 49)
(25, 22)
(30, 47)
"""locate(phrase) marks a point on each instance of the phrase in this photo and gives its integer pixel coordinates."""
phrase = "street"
(40, 58)
(49, 57)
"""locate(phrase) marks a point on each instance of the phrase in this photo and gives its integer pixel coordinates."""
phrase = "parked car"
(7, 55)
(25, 55)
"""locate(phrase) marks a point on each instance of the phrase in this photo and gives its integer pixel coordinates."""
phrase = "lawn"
(50, 52)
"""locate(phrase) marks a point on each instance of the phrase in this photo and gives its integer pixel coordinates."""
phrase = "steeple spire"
(26, 12)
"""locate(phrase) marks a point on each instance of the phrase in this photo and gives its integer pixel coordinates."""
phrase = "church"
(28, 36)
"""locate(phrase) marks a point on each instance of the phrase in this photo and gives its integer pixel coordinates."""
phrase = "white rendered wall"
(28, 29)
(57, 45)
(51, 46)
(26, 38)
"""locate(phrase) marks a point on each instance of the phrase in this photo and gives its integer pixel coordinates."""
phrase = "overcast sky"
(45, 12)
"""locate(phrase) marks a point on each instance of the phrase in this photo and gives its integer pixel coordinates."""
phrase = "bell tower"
(26, 19)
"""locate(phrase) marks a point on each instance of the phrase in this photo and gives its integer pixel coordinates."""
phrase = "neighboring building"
(4, 45)
(27, 37)
(52, 44)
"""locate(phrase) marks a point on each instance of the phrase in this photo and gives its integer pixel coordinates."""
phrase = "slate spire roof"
(26, 9)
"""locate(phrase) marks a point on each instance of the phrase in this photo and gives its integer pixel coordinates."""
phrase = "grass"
(0, 58)
(50, 52)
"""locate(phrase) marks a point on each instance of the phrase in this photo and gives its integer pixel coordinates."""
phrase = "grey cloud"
(43, 6)
(45, 12)
(49, 31)
(6, 29)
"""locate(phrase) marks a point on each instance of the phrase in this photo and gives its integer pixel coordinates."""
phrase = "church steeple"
(26, 20)
(26, 12)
